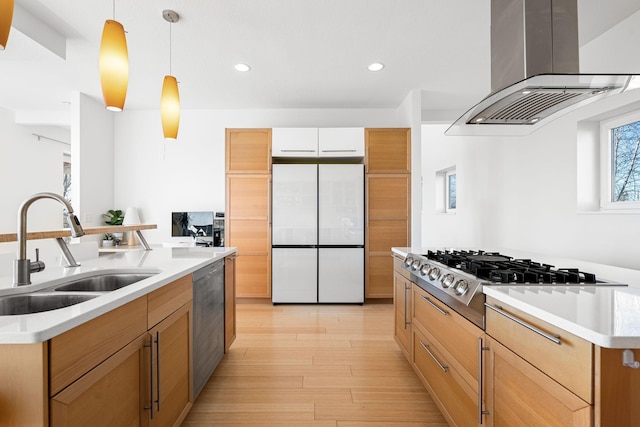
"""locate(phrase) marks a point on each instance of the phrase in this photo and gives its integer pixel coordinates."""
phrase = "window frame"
(447, 178)
(606, 164)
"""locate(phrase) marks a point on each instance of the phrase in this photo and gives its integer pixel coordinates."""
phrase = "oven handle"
(444, 312)
(554, 338)
(435, 359)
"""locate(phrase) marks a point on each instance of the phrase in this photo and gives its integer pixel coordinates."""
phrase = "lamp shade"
(114, 65)
(170, 107)
(131, 217)
(6, 16)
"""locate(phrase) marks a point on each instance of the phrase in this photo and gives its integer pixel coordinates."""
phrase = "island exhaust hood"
(534, 70)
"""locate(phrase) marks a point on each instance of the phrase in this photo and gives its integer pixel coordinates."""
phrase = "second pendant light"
(170, 98)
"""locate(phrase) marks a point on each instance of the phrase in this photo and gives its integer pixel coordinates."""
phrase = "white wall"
(29, 166)
(159, 177)
(523, 192)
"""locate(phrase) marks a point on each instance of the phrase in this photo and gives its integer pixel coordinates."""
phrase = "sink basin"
(39, 302)
(103, 282)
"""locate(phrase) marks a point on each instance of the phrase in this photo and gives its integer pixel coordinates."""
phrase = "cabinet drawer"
(457, 402)
(569, 362)
(169, 298)
(458, 336)
(75, 352)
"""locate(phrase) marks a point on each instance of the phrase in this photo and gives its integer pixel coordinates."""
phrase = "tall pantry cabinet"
(248, 205)
(388, 195)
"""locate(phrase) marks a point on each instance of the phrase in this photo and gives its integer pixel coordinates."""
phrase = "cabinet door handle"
(158, 368)
(481, 348)
(151, 372)
(405, 305)
(554, 338)
(444, 312)
(435, 359)
(297, 151)
(339, 151)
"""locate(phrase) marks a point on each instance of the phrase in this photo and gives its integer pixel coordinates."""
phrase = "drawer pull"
(553, 338)
(435, 359)
(444, 312)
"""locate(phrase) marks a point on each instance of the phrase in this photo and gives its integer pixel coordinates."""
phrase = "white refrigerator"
(317, 233)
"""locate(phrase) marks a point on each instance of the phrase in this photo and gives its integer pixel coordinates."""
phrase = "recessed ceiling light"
(243, 68)
(375, 66)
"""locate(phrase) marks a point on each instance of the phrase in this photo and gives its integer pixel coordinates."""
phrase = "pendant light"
(114, 64)
(170, 98)
(6, 16)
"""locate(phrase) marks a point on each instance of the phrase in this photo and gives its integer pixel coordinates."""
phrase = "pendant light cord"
(114, 10)
(170, 25)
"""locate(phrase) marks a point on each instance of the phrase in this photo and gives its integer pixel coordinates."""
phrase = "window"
(620, 139)
(451, 191)
(446, 190)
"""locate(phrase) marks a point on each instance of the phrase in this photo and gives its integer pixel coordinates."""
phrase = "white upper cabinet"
(294, 142)
(314, 142)
(341, 142)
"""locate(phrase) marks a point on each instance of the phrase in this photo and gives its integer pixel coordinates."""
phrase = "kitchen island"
(132, 345)
(547, 355)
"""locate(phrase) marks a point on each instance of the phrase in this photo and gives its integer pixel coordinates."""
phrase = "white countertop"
(608, 316)
(169, 264)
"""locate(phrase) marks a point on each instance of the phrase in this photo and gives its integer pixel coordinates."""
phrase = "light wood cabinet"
(229, 301)
(617, 388)
(248, 209)
(453, 396)
(402, 301)
(388, 225)
(449, 347)
(109, 395)
(517, 393)
(170, 356)
(388, 150)
(567, 359)
(248, 151)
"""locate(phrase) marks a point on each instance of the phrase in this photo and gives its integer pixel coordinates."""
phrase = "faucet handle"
(37, 265)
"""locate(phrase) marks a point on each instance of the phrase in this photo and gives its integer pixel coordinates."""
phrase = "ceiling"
(302, 53)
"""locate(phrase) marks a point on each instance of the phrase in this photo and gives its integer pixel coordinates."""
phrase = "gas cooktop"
(456, 277)
(495, 268)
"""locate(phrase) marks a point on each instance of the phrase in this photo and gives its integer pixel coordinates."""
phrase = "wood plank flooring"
(314, 366)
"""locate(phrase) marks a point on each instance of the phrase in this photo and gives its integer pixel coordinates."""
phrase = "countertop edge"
(103, 303)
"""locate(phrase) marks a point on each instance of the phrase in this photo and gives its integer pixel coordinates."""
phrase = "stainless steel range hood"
(534, 70)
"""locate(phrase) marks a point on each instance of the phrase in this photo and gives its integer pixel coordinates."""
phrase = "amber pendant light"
(114, 65)
(6, 16)
(170, 98)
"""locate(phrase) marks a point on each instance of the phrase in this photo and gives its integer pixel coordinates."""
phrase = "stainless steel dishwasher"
(208, 322)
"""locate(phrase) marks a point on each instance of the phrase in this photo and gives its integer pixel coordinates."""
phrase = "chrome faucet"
(22, 267)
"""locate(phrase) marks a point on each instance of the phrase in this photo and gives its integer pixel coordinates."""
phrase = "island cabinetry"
(446, 354)
(388, 205)
(537, 373)
(248, 208)
(100, 377)
(402, 299)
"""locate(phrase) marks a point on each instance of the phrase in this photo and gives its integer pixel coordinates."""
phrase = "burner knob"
(416, 264)
(434, 273)
(447, 280)
(408, 261)
(461, 287)
(424, 270)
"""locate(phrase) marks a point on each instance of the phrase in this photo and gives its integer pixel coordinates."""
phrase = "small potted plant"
(113, 217)
(107, 239)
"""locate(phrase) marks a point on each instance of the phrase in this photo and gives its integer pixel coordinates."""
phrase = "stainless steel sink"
(39, 302)
(103, 282)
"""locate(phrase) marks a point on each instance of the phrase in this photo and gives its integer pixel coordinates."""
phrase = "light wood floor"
(314, 366)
